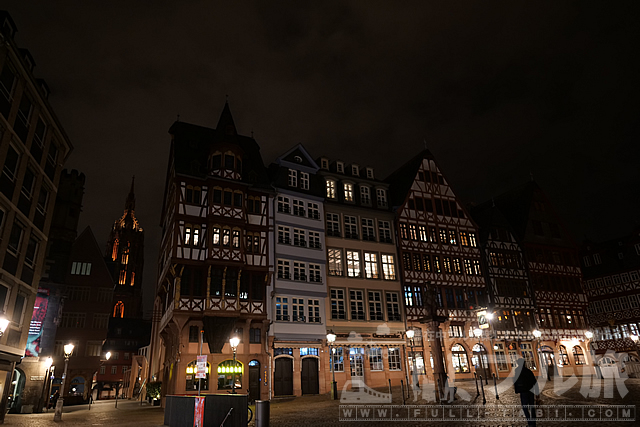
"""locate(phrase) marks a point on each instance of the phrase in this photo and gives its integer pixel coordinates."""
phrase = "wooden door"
(310, 381)
(283, 377)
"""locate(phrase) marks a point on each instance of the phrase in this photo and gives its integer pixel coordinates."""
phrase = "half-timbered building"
(213, 262)
(297, 290)
(364, 308)
(440, 267)
(612, 283)
(555, 274)
(509, 318)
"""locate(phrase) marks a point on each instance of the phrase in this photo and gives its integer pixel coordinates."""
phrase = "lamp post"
(537, 334)
(68, 349)
(331, 338)
(477, 332)
(410, 334)
(234, 341)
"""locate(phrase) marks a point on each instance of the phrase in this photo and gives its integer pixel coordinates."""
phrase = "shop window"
(192, 381)
(227, 371)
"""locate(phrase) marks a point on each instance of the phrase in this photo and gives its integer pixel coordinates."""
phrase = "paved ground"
(321, 411)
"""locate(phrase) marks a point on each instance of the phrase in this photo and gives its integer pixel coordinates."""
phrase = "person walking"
(526, 385)
(54, 399)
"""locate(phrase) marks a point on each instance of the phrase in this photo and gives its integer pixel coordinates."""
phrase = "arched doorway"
(283, 377)
(480, 361)
(547, 361)
(310, 381)
(254, 380)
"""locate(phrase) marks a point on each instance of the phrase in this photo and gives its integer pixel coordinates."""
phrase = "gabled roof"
(401, 180)
(515, 204)
(487, 215)
(192, 145)
(298, 151)
(85, 248)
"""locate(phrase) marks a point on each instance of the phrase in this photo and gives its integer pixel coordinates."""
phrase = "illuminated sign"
(483, 322)
(37, 321)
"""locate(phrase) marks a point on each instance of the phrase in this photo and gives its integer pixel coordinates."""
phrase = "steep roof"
(401, 179)
(192, 145)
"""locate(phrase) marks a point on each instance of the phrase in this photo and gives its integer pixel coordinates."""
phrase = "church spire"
(130, 204)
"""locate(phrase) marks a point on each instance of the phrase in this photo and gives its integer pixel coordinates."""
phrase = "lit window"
(331, 189)
(123, 277)
(118, 309)
(187, 235)
(348, 192)
(371, 265)
(353, 264)
(388, 267)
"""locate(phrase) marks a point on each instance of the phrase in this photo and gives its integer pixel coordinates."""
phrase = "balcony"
(300, 277)
(284, 208)
(333, 233)
(314, 214)
(300, 242)
(315, 245)
(315, 320)
(298, 211)
(284, 240)
(282, 317)
(336, 272)
(369, 237)
(351, 235)
(298, 318)
(284, 275)
(317, 278)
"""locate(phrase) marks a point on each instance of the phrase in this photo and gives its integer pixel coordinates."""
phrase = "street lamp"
(4, 324)
(537, 334)
(477, 332)
(68, 349)
(331, 338)
(234, 341)
(410, 334)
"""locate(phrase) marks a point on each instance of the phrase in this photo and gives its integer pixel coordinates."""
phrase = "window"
(299, 271)
(293, 178)
(443, 236)
(467, 267)
(369, 173)
(472, 240)
(384, 230)
(368, 231)
(375, 359)
(194, 333)
(297, 306)
(404, 233)
(235, 242)
(353, 263)
(365, 196)
(356, 302)
(338, 359)
(313, 210)
(464, 238)
(459, 359)
(338, 304)
(348, 192)
(422, 231)
(282, 309)
(375, 306)
(578, 355)
(333, 225)
(314, 273)
(371, 265)
(216, 235)
(394, 359)
(72, 320)
(284, 271)
(476, 267)
(381, 198)
(28, 182)
(299, 237)
(298, 207)
(314, 310)
(114, 369)
(118, 309)
(314, 239)
(102, 369)
(564, 357)
(15, 238)
(283, 204)
(187, 234)
(350, 227)
(283, 235)
(501, 358)
(331, 189)
(335, 262)
(255, 336)
(452, 237)
(100, 321)
(413, 235)
(304, 180)
(393, 307)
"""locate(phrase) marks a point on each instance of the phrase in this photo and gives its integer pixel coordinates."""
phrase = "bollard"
(484, 399)
(495, 384)
(402, 389)
(475, 376)
(262, 413)
(390, 394)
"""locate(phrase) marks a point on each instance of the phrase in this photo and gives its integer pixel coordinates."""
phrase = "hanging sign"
(201, 366)
(483, 323)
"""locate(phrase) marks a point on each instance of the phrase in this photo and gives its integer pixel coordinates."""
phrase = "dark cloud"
(499, 91)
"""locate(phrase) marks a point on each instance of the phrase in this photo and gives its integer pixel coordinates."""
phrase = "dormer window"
(293, 178)
(229, 161)
(331, 189)
(365, 195)
(354, 170)
(324, 164)
(216, 161)
(370, 173)
(381, 198)
(340, 167)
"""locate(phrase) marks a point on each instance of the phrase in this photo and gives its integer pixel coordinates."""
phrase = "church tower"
(125, 255)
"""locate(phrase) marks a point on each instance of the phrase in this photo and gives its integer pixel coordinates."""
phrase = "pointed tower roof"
(226, 126)
(130, 204)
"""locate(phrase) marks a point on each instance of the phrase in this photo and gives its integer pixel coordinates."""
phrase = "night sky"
(499, 91)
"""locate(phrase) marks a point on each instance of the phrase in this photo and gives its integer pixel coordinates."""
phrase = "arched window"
(226, 373)
(459, 359)
(114, 253)
(192, 381)
(564, 357)
(118, 309)
(77, 386)
(578, 355)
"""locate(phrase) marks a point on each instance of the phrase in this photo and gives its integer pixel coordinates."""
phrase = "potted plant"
(153, 392)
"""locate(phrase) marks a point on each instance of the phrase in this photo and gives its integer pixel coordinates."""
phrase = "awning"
(218, 331)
